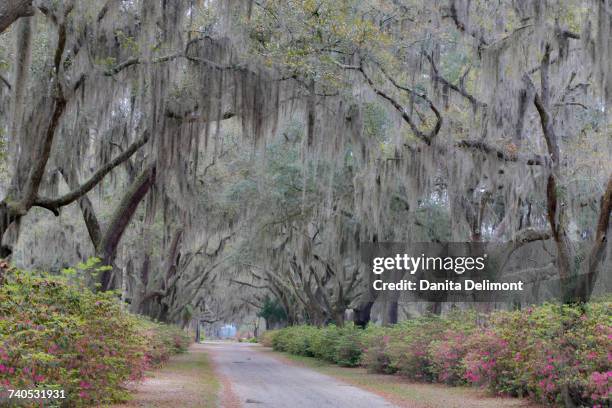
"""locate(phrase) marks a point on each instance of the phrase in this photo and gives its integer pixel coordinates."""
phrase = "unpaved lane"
(259, 380)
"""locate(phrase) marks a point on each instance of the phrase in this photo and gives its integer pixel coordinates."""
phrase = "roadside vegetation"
(56, 334)
(187, 380)
(404, 392)
(552, 354)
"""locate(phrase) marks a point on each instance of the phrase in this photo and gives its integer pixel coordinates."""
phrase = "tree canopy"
(228, 158)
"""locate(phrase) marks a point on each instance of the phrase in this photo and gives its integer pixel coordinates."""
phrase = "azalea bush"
(422, 348)
(349, 347)
(162, 341)
(556, 354)
(427, 348)
(339, 345)
(446, 355)
(267, 337)
(553, 354)
(375, 354)
(60, 335)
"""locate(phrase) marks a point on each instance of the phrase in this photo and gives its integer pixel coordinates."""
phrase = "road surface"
(259, 380)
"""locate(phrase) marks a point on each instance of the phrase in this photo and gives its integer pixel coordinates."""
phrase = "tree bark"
(107, 249)
(362, 314)
(392, 312)
(78, 191)
(25, 191)
(575, 286)
(89, 216)
(311, 114)
(12, 10)
(586, 283)
(17, 204)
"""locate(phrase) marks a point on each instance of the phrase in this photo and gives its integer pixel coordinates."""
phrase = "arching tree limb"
(12, 10)
(53, 204)
(425, 137)
(459, 89)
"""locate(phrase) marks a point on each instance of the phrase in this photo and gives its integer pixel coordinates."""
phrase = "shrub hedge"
(56, 335)
(553, 354)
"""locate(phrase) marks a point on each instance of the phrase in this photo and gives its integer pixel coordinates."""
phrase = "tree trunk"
(581, 288)
(436, 308)
(138, 305)
(107, 249)
(575, 287)
(13, 208)
(339, 318)
(362, 314)
(392, 312)
(311, 113)
(89, 216)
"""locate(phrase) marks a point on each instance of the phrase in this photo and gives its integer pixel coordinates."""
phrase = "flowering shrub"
(446, 357)
(375, 354)
(408, 344)
(554, 354)
(375, 350)
(162, 341)
(55, 335)
(422, 348)
(484, 360)
(590, 337)
(425, 348)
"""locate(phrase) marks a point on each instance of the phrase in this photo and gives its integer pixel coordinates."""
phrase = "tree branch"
(53, 204)
(181, 54)
(135, 61)
(248, 284)
(460, 90)
(425, 137)
(6, 82)
(37, 171)
(11, 10)
(521, 238)
(462, 27)
(121, 218)
(534, 160)
(541, 101)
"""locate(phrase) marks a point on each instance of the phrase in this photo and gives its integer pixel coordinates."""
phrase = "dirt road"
(259, 380)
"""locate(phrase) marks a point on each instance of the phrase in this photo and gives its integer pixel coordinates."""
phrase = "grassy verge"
(403, 392)
(186, 381)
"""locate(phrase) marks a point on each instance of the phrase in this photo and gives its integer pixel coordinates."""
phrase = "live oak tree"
(223, 147)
